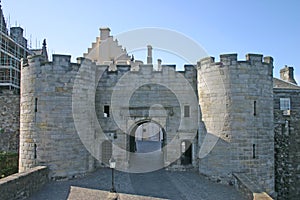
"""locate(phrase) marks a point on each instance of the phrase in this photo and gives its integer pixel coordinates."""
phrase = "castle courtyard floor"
(160, 184)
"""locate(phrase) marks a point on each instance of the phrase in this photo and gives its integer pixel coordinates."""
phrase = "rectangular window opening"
(106, 111)
(186, 111)
(285, 104)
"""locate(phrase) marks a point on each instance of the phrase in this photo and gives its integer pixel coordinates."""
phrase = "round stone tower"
(47, 132)
(236, 100)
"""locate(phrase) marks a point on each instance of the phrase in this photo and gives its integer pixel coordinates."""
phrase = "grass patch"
(8, 163)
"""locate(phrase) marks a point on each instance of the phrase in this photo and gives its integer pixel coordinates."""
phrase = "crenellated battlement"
(231, 60)
(149, 68)
(64, 60)
(33, 59)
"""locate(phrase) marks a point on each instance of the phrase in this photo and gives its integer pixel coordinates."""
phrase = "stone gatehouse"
(219, 118)
(73, 114)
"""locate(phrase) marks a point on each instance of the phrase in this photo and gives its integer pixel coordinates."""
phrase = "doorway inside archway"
(147, 137)
(186, 150)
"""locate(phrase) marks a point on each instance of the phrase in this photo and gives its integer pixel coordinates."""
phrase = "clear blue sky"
(269, 27)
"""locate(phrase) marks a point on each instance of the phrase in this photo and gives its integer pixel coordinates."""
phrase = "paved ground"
(159, 184)
(148, 158)
(148, 146)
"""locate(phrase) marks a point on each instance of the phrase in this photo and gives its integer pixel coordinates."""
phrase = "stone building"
(213, 116)
(287, 135)
(216, 117)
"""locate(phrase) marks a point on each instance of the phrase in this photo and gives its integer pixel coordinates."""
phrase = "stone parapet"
(249, 188)
(22, 185)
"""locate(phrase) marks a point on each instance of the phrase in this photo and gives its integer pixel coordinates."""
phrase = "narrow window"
(106, 111)
(35, 147)
(186, 111)
(253, 151)
(285, 104)
(254, 108)
(35, 104)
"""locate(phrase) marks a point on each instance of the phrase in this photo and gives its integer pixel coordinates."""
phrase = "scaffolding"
(13, 47)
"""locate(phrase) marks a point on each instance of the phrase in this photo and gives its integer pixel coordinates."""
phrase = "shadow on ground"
(159, 184)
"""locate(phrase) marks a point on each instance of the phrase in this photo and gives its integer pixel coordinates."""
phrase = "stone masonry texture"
(48, 135)
(287, 148)
(236, 104)
(21, 185)
(9, 121)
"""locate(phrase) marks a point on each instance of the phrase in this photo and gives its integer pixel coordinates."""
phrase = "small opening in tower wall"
(186, 111)
(106, 111)
(254, 108)
(253, 151)
(35, 104)
(35, 155)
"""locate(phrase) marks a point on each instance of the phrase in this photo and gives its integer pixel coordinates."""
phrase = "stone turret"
(287, 74)
(47, 132)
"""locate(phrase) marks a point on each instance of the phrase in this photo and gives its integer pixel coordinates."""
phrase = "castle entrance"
(146, 141)
(147, 137)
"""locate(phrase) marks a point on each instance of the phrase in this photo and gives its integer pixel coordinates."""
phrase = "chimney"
(104, 33)
(287, 74)
(149, 57)
(159, 64)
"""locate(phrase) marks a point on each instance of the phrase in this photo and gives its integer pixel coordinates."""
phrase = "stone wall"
(136, 97)
(287, 148)
(236, 103)
(20, 186)
(9, 120)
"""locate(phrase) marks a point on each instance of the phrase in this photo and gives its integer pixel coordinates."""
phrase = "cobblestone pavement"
(159, 184)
